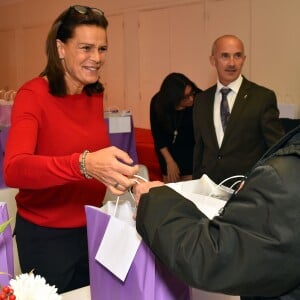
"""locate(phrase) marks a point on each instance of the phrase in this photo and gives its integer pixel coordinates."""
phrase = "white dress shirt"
(234, 86)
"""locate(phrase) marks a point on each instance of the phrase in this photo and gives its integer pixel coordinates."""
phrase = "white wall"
(148, 39)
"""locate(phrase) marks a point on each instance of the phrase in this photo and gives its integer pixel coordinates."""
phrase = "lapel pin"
(245, 96)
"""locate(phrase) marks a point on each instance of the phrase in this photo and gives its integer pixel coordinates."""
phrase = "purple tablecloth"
(5, 112)
(3, 137)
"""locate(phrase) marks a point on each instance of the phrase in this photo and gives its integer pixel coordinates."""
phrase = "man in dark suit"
(224, 150)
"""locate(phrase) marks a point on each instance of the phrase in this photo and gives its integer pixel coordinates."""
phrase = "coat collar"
(289, 144)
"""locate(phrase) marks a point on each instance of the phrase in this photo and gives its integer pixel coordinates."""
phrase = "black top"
(163, 134)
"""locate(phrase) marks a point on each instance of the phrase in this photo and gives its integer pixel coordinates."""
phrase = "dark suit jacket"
(253, 127)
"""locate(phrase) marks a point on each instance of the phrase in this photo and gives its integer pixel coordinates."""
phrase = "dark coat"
(253, 127)
(252, 249)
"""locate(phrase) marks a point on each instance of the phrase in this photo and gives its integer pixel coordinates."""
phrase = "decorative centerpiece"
(32, 287)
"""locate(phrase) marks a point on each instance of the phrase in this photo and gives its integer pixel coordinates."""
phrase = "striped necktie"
(224, 108)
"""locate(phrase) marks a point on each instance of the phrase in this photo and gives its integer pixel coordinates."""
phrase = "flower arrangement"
(27, 286)
(32, 287)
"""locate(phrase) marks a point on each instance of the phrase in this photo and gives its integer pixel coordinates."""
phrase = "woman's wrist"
(82, 165)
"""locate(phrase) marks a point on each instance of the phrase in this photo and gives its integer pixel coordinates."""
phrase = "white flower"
(31, 287)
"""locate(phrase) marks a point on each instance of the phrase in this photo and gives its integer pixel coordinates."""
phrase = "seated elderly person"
(251, 249)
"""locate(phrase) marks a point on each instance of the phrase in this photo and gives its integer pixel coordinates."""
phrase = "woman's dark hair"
(170, 95)
(63, 29)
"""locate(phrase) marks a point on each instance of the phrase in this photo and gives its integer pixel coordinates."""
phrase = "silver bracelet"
(82, 165)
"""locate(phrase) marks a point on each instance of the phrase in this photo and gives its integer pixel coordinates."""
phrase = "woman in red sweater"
(58, 152)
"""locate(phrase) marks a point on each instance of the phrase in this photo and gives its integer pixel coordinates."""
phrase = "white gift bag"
(208, 196)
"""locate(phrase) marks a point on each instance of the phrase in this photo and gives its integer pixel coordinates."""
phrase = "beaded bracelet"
(82, 165)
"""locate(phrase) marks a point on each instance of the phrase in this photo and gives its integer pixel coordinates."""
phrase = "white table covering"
(84, 294)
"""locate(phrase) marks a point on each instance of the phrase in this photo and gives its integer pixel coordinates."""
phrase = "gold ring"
(116, 185)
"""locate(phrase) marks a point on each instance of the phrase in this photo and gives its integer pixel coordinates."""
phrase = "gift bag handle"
(130, 192)
(220, 185)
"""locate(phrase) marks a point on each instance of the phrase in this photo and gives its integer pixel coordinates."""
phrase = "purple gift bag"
(6, 249)
(147, 279)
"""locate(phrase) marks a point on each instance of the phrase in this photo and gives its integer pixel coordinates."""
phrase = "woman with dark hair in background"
(172, 126)
(58, 153)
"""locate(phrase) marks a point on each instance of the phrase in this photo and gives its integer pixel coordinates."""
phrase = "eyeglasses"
(84, 9)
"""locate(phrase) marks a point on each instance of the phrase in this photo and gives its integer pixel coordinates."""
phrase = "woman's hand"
(112, 167)
(143, 188)
(173, 172)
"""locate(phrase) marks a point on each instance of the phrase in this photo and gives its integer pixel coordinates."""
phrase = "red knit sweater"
(45, 140)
